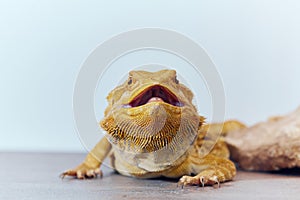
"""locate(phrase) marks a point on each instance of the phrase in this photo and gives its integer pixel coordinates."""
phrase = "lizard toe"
(198, 180)
(83, 171)
(209, 180)
(188, 180)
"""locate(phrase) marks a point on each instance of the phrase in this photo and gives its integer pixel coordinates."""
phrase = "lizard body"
(154, 130)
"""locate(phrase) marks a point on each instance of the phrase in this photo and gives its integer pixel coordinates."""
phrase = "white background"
(254, 44)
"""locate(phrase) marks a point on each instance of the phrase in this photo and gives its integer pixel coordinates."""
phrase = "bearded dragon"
(153, 130)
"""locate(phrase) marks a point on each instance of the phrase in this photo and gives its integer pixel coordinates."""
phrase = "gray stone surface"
(269, 145)
(35, 176)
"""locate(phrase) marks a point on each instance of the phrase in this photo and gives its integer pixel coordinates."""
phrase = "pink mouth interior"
(155, 93)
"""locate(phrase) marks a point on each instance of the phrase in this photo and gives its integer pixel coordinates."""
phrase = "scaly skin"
(154, 130)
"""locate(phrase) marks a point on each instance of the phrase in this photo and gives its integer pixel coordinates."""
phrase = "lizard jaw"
(155, 93)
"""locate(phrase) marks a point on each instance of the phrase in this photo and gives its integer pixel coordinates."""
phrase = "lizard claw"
(198, 180)
(209, 180)
(188, 180)
(82, 171)
(202, 181)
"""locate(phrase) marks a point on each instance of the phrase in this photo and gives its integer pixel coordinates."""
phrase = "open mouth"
(156, 93)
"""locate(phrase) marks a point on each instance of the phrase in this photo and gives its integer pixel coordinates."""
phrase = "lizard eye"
(176, 80)
(129, 81)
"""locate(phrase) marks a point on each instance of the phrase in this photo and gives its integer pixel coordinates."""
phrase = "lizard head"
(150, 111)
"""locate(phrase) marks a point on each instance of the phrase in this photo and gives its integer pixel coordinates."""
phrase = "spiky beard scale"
(153, 130)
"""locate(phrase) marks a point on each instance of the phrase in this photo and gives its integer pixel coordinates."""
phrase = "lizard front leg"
(209, 170)
(90, 167)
